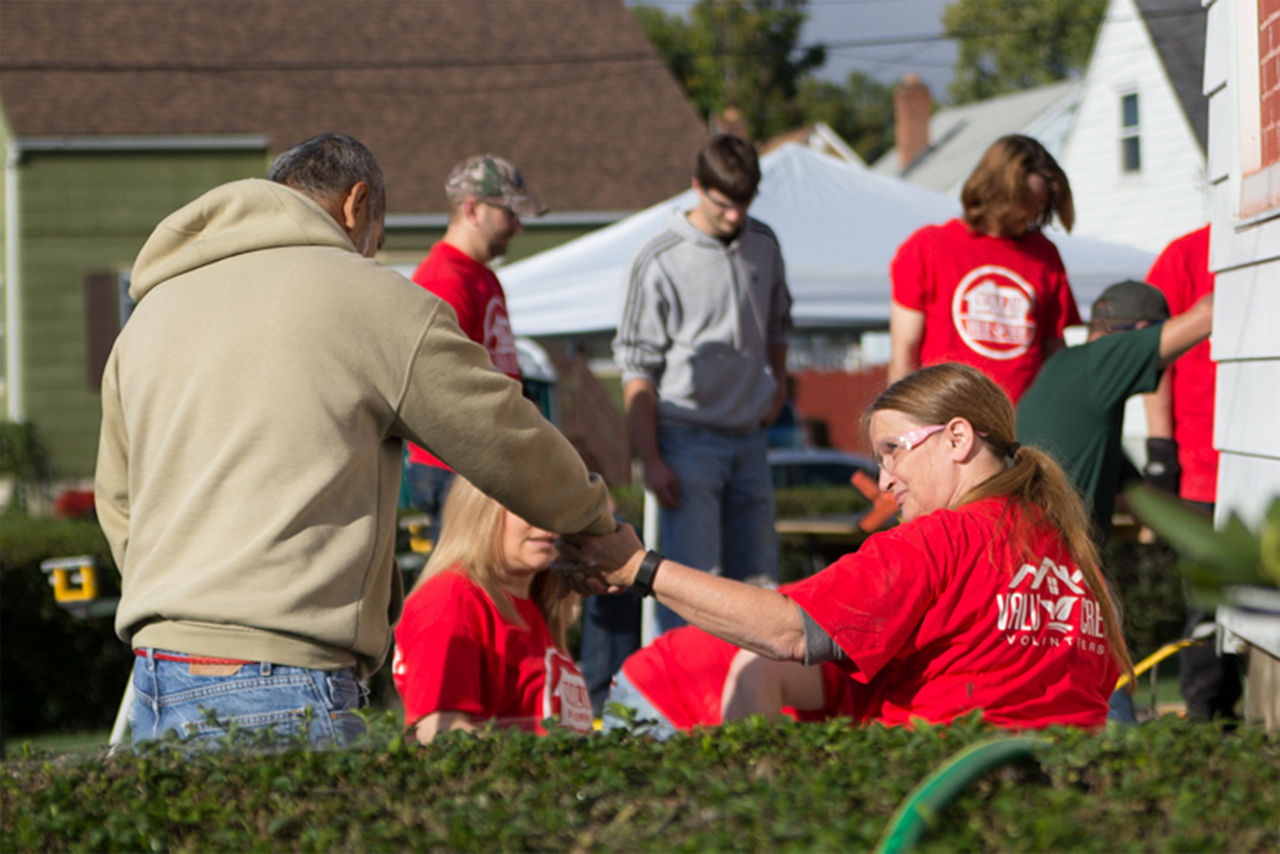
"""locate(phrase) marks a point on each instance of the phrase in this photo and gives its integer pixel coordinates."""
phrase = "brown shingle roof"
(570, 90)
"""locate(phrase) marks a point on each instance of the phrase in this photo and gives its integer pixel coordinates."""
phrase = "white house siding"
(1169, 196)
(1245, 254)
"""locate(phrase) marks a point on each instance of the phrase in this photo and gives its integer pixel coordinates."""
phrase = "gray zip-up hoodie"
(254, 408)
(698, 320)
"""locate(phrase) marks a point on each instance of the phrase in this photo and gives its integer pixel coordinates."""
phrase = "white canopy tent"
(839, 225)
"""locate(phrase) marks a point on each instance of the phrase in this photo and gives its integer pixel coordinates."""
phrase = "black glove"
(1162, 470)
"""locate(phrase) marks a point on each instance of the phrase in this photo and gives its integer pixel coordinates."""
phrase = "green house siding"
(87, 212)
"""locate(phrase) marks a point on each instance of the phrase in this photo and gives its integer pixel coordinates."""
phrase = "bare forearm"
(906, 332)
(431, 725)
(642, 419)
(1179, 334)
(1159, 407)
(750, 617)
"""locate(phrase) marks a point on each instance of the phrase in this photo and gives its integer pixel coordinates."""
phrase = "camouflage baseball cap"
(493, 180)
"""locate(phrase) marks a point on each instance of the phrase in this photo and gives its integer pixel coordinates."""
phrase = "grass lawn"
(89, 741)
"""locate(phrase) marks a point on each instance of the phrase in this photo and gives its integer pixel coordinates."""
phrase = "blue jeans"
(725, 521)
(1120, 707)
(610, 633)
(257, 697)
(645, 717)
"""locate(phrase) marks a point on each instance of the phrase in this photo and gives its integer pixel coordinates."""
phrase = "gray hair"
(329, 165)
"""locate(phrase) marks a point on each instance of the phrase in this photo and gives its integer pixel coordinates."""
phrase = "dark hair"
(935, 395)
(728, 163)
(996, 193)
(329, 165)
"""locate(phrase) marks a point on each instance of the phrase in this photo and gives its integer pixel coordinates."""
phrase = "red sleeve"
(441, 644)
(871, 602)
(912, 285)
(1062, 301)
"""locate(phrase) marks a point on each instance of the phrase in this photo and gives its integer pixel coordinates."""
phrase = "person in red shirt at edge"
(988, 289)
(687, 678)
(989, 596)
(482, 636)
(487, 198)
(1181, 459)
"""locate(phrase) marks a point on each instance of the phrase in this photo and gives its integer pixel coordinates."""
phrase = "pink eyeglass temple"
(911, 438)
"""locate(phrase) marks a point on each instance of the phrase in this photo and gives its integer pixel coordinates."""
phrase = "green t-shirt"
(1075, 410)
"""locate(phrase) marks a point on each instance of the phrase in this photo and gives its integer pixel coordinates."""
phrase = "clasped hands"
(598, 565)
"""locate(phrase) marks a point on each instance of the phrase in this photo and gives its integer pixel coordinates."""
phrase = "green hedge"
(56, 671)
(753, 786)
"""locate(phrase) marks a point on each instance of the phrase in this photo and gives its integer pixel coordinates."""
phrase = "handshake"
(607, 564)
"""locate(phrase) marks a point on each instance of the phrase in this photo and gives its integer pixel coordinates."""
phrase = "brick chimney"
(731, 120)
(912, 105)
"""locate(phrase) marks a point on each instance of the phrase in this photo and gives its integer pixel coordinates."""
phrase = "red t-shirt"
(478, 300)
(1182, 274)
(944, 615)
(456, 652)
(990, 302)
(683, 672)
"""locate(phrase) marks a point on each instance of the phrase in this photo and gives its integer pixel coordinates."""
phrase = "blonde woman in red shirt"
(482, 636)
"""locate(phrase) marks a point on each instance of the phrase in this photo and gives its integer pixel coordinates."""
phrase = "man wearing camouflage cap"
(487, 198)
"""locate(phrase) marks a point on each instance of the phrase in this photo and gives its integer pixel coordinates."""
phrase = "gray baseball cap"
(494, 180)
(1131, 300)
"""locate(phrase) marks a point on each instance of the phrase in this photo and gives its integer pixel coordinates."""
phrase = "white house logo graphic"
(994, 312)
(1042, 601)
(564, 694)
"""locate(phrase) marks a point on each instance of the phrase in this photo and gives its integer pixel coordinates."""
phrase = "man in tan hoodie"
(254, 411)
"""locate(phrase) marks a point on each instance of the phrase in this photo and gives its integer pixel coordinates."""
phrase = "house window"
(1130, 141)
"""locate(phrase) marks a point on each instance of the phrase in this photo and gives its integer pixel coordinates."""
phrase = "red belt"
(189, 659)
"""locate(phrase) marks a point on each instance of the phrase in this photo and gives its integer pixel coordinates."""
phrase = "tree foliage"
(860, 111)
(1007, 45)
(738, 53)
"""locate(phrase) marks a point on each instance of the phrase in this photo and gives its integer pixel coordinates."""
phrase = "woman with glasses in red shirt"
(989, 596)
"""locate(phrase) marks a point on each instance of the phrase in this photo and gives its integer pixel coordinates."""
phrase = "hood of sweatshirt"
(243, 216)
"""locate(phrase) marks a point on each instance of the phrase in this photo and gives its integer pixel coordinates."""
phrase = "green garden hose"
(926, 800)
(932, 793)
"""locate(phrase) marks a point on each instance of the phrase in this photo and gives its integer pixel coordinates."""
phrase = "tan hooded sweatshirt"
(254, 408)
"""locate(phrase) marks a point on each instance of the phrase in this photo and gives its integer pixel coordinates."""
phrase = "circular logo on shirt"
(498, 338)
(994, 312)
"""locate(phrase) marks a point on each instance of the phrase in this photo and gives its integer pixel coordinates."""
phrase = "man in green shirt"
(1075, 408)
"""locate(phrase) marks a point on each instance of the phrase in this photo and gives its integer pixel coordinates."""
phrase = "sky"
(882, 38)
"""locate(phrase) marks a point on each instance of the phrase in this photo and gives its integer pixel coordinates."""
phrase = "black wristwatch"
(643, 582)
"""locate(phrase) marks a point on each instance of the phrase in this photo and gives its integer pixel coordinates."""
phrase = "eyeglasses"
(723, 203)
(889, 454)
